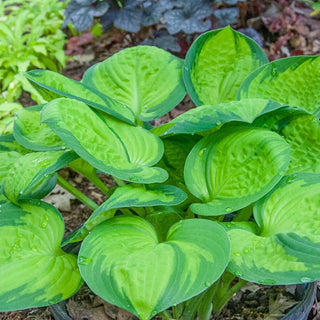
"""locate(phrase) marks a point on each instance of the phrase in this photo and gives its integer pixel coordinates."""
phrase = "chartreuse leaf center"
(132, 262)
(233, 167)
(34, 271)
(287, 246)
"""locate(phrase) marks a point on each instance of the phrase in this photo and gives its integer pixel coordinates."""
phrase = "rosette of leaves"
(249, 151)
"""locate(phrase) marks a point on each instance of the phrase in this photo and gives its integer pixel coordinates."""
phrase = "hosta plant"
(228, 192)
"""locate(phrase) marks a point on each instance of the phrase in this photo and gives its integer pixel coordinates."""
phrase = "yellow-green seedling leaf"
(292, 81)
(302, 133)
(9, 143)
(129, 196)
(217, 63)
(162, 220)
(145, 78)
(286, 248)
(53, 85)
(123, 262)
(233, 167)
(34, 135)
(34, 271)
(208, 117)
(110, 145)
(33, 175)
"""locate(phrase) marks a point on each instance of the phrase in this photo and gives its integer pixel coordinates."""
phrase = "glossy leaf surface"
(123, 262)
(208, 117)
(128, 197)
(32, 134)
(286, 249)
(53, 85)
(233, 167)
(109, 145)
(31, 175)
(145, 78)
(217, 63)
(292, 81)
(34, 271)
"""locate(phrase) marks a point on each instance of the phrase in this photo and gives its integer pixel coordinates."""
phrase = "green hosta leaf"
(32, 134)
(31, 175)
(109, 145)
(8, 159)
(123, 262)
(147, 79)
(208, 117)
(34, 271)
(233, 167)
(53, 85)
(286, 249)
(290, 80)
(303, 135)
(126, 197)
(217, 63)
(8, 143)
(176, 150)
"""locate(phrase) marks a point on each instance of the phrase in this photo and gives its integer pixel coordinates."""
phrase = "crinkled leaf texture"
(217, 63)
(286, 248)
(52, 85)
(123, 262)
(233, 167)
(33, 175)
(109, 145)
(34, 271)
(292, 80)
(145, 78)
(208, 117)
(126, 197)
(302, 133)
(34, 135)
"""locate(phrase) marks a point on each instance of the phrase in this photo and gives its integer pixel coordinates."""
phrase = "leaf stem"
(165, 315)
(78, 194)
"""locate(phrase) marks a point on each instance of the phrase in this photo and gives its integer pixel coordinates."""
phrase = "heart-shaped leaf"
(32, 175)
(208, 117)
(286, 249)
(123, 262)
(52, 85)
(129, 196)
(34, 271)
(147, 79)
(293, 81)
(108, 144)
(233, 167)
(217, 63)
(32, 134)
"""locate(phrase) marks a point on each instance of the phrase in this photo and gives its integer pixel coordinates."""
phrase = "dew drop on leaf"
(237, 254)
(228, 210)
(84, 260)
(218, 123)
(44, 222)
(238, 274)
(306, 279)
(207, 284)
(291, 178)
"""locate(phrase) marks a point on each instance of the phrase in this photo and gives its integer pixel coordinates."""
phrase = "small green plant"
(30, 37)
(6, 116)
(226, 193)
